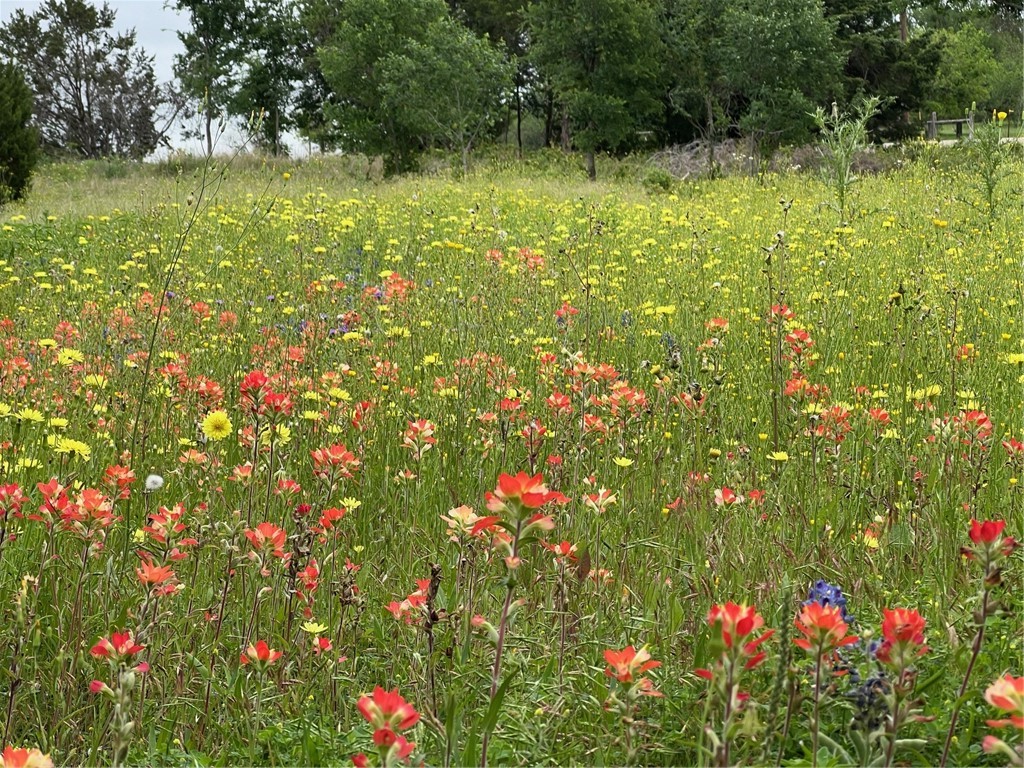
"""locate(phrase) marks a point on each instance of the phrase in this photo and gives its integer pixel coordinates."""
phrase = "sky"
(155, 31)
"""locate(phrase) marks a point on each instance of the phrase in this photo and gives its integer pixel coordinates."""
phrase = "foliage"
(988, 156)
(269, 70)
(602, 59)
(450, 86)
(754, 68)
(781, 63)
(368, 34)
(317, 24)
(877, 61)
(965, 73)
(19, 141)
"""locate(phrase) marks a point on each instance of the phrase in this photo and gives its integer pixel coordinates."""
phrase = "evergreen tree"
(884, 55)
(19, 141)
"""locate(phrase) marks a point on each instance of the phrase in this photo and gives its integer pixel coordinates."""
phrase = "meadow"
(574, 473)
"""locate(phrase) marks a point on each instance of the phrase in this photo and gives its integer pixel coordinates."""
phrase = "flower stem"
(815, 725)
(979, 638)
(500, 646)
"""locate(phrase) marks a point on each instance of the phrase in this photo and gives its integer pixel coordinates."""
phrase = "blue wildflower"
(829, 596)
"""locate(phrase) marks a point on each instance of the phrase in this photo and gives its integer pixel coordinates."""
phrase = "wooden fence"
(932, 127)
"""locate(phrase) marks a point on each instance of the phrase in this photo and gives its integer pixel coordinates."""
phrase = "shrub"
(19, 141)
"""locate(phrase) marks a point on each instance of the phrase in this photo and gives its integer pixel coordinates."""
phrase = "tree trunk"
(549, 119)
(519, 123)
(465, 161)
(591, 166)
(209, 132)
(566, 138)
(904, 34)
(712, 170)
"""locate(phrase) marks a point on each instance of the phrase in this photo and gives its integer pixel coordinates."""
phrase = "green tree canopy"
(965, 73)
(208, 68)
(381, 53)
(783, 64)
(884, 55)
(604, 62)
(449, 87)
(270, 69)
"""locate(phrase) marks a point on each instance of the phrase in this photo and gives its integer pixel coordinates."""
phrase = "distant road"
(954, 142)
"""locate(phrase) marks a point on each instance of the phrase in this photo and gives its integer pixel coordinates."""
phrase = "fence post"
(933, 128)
(970, 125)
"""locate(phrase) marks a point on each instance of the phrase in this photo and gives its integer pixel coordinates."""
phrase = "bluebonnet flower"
(869, 704)
(829, 596)
(627, 319)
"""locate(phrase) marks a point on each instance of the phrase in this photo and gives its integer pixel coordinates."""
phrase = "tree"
(318, 22)
(883, 56)
(269, 69)
(966, 70)
(603, 61)
(448, 87)
(19, 141)
(751, 67)
(782, 64)
(699, 58)
(377, 41)
(501, 21)
(207, 70)
(95, 92)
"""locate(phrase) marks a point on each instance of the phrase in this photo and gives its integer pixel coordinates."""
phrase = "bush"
(658, 180)
(19, 141)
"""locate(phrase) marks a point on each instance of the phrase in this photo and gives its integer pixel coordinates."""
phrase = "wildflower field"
(512, 471)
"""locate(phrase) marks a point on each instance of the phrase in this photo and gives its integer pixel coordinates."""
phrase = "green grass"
(913, 306)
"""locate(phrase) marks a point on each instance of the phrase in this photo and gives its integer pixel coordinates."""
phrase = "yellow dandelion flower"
(30, 414)
(69, 357)
(217, 425)
(336, 393)
(69, 447)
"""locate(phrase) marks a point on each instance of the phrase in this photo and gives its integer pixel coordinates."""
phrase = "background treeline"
(397, 77)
